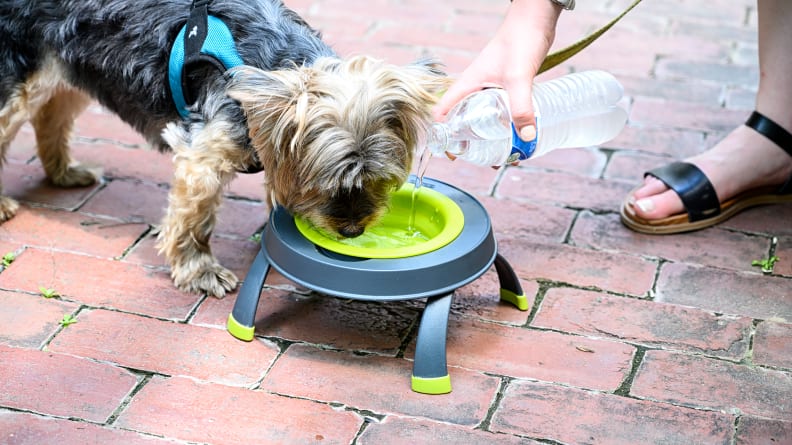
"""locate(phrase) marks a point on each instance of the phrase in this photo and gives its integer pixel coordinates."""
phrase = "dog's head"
(335, 138)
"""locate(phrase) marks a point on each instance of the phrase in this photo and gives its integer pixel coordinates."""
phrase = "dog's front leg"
(201, 172)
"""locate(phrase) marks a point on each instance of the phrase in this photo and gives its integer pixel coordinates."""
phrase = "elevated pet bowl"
(433, 274)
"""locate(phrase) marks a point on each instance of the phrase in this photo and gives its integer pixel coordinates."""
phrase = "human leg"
(744, 160)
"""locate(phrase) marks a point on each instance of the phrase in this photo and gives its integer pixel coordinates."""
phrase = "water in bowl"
(423, 163)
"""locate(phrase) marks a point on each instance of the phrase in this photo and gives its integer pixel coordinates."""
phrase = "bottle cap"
(522, 150)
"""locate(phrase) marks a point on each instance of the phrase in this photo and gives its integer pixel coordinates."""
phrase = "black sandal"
(698, 195)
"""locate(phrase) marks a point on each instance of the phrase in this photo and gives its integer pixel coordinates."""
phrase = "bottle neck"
(438, 138)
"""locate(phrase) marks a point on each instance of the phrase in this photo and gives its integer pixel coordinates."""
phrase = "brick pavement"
(629, 339)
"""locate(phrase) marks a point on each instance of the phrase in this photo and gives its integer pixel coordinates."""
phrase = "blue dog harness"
(207, 40)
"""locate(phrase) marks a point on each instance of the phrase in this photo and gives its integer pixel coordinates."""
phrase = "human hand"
(510, 61)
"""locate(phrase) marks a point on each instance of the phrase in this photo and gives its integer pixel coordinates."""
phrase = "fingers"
(521, 108)
(467, 83)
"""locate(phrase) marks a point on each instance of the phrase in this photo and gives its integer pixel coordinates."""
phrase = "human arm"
(510, 60)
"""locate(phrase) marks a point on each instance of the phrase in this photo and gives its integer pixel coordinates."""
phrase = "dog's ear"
(273, 102)
(397, 97)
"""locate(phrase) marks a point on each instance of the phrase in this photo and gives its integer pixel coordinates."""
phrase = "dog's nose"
(351, 231)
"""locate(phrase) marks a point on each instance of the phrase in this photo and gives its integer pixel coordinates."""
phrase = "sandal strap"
(693, 187)
(778, 135)
(771, 130)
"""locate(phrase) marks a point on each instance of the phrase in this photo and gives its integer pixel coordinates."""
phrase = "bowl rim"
(448, 209)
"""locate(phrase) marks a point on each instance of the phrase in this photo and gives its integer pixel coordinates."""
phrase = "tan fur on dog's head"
(335, 138)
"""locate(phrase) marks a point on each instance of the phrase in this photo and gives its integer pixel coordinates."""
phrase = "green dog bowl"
(436, 221)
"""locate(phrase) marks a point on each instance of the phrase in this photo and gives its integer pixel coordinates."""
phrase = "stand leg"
(430, 371)
(242, 317)
(511, 290)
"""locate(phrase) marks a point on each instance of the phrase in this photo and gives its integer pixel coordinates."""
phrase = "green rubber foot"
(434, 385)
(521, 301)
(239, 330)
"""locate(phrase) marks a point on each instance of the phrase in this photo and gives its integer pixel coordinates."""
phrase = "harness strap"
(204, 39)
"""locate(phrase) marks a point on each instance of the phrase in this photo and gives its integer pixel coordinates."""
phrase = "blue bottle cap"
(521, 150)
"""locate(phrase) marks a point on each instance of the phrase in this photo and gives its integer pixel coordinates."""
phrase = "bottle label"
(522, 150)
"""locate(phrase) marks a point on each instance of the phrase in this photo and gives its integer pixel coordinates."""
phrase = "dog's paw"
(8, 208)
(212, 278)
(76, 176)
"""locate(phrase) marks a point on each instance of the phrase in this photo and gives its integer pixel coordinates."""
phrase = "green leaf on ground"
(67, 320)
(766, 264)
(8, 259)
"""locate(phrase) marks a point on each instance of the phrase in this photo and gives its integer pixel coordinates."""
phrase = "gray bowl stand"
(434, 276)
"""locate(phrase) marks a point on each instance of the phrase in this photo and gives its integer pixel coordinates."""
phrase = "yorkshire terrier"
(228, 86)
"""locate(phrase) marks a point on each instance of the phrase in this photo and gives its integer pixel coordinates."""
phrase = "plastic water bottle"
(576, 110)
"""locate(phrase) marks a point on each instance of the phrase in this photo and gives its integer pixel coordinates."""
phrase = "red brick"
(582, 267)
(339, 323)
(481, 299)
(630, 166)
(23, 428)
(241, 218)
(72, 232)
(644, 322)
(123, 162)
(729, 12)
(784, 254)
(217, 414)
(28, 183)
(9, 247)
(632, 58)
(692, 90)
(397, 430)
(97, 122)
(28, 320)
(61, 385)
(132, 201)
(772, 220)
(378, 384)
(561, 189)
(647, 111)
(23, 148)
(165, 347)
(572, 415)
(514, 219)
(757, 431)
(589, 162)
(474, 179)
(392, 34)
(713, 247)
(136, 201)
(738, 293)
(772, 344)
(235, 254)
(708, 71)
(541, 355)
(700, 382)
(250, 186)
(99, 282)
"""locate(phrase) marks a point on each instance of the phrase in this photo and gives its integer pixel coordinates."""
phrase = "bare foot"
(743, 160)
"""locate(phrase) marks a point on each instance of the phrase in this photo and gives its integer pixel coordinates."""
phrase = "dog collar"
(203, 39)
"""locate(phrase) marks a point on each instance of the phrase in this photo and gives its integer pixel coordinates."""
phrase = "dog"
(334, 136)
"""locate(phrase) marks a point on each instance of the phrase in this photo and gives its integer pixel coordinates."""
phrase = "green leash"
(560, 56)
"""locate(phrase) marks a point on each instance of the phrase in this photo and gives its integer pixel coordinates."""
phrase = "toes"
(76, 176)
(213, 279)
(651, 186)
(8, 208)
(658, 206)
(654, 200)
